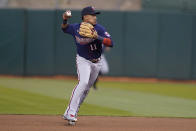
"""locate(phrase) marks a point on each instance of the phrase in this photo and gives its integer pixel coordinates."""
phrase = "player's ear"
(84, 17)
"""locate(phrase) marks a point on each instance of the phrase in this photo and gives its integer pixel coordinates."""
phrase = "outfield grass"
(50, 96)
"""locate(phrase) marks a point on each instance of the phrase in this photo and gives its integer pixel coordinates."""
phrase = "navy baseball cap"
(90, 10)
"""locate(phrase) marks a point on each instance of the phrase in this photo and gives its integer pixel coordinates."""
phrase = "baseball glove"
(87, 30)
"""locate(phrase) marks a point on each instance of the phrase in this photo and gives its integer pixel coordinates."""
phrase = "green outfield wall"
(12, 40)
(40, 48)
(147, 43)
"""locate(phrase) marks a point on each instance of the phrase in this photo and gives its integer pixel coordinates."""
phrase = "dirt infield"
(94, 123)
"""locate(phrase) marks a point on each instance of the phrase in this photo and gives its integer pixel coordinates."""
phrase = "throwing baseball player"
(89, 37)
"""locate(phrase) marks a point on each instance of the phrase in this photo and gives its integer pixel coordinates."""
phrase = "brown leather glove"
(88, 30)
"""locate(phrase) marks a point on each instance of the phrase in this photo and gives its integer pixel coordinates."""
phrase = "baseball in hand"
(68, 13)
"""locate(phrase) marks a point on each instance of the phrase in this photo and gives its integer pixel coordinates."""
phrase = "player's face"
(90, 19)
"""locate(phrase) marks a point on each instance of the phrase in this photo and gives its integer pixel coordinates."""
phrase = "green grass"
(169, 89)
(16, 101)
(48, 96)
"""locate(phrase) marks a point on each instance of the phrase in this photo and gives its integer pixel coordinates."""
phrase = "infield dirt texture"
(94, 123)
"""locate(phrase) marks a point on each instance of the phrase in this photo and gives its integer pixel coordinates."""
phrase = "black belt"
(95, 60)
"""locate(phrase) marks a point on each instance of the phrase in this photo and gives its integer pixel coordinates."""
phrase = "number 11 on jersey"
(93, 47)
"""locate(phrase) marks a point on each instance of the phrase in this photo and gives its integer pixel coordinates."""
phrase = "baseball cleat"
(71, 119)
(71, 123)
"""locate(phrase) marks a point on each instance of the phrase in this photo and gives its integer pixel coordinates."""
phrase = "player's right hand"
(67, 14)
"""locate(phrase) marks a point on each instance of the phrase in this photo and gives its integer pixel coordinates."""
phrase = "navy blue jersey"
(87, 47)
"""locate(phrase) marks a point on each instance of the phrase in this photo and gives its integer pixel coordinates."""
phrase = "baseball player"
(89, 38)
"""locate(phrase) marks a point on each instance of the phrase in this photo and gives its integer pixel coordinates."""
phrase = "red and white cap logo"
(93, 8)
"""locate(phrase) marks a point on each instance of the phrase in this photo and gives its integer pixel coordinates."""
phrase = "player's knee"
(81, 88)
